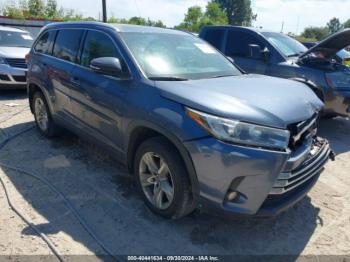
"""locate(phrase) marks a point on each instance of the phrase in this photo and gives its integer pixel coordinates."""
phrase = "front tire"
(162, 179)
(43, 118)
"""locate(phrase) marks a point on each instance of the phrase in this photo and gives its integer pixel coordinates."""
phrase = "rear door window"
(215, 37)
(44, 44)
(238, 43)
(67, 44)
(96, 45)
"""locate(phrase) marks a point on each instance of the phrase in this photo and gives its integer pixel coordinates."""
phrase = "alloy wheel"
(41, 114)
(156, 180)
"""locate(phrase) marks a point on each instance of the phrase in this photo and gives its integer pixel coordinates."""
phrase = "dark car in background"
(275, 54)
(194, 129)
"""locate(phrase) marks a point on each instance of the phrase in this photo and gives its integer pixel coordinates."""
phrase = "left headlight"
(240, 132)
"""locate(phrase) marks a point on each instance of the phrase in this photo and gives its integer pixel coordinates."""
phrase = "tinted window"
(97, 45)
(215, 37)
(67, 44)
(238, 43)
(44, 44)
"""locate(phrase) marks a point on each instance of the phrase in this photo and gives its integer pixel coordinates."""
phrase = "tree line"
(313, 33)
(217, 12)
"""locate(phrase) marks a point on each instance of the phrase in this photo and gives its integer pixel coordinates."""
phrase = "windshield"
(15, 39)
(177, 56)
(286, 45)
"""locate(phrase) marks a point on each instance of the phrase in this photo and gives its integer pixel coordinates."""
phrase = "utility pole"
(104, 11)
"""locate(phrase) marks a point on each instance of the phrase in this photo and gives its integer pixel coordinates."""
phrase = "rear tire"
(162, 179)
(43, 118)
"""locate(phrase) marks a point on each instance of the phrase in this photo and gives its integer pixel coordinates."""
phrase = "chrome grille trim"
(304, 127)
(17, 62)
(313, 166)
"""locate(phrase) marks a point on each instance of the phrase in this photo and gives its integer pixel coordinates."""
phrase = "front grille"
(22, 79)
(312, 166)
(302, 131)
(17, 62)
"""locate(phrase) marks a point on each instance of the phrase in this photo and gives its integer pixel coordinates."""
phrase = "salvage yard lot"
(105, 195)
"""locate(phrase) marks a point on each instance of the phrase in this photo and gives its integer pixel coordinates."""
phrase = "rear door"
(39, 70)
(97, 99)
(237, 47)
(61, 67)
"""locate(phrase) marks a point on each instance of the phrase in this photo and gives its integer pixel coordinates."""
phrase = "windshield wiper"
(167, 78)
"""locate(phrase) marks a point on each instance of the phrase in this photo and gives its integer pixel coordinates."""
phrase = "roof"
(259, 30)
(116, 27)
(11, 29)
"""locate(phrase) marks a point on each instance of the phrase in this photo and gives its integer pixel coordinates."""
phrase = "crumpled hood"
(256, 99)
(331, 45)
(13, 52)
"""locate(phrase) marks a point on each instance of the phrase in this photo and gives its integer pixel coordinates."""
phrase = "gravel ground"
(104, 194)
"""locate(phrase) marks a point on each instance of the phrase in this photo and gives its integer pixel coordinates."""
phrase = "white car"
(14, 45)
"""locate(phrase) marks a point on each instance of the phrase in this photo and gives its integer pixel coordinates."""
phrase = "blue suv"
(194, 129)
(321, 67)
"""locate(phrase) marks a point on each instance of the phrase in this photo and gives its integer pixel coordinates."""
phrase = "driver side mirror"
(255, 52)
(108, 66)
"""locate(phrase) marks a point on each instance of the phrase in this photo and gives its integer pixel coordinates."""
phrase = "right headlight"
(240, 132)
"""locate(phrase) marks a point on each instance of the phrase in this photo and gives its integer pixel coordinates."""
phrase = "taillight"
(27, 57)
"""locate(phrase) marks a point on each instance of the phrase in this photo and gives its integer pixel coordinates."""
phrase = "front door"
(238, 48)
(97, 100)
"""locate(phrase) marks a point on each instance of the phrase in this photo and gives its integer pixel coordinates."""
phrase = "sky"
(294, 14)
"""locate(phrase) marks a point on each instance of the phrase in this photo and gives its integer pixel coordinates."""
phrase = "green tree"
(36, 8)
(214, 15)
(136, 21)
(238, 12)
(315, 33)
(157, 23)
(192, 19)
(51, 10)
(334, 25)
(347, 24)
(195, 18)
(11, 9)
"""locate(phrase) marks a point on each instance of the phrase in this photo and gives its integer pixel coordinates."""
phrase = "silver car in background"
(14, 45)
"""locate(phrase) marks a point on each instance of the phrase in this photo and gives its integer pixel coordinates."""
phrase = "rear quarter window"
(67, 44)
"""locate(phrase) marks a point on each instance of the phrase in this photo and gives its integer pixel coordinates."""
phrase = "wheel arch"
(142, 131)
(31, 89)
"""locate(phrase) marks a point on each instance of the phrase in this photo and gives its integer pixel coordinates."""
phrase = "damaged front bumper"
(265, 182)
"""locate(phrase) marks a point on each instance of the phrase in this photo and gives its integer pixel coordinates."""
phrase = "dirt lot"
(104, 194)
